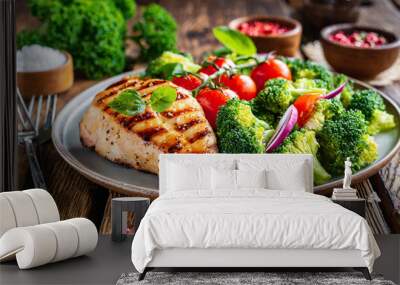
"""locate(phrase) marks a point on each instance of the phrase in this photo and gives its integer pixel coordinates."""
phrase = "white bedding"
(250, 219)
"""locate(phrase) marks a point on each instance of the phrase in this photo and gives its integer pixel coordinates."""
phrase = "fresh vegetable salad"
(264, 103)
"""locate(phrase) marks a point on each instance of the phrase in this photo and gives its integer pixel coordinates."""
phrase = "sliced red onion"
(285, 126)
(335, 92)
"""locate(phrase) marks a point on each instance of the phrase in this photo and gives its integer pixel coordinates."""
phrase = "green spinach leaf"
(234, 40)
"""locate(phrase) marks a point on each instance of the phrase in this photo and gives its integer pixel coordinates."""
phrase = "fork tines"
(50, 111)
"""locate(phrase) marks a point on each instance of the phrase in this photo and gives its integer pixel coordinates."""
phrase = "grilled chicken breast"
(136, 141)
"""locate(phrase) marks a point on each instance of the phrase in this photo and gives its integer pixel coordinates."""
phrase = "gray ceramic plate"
(125, 180)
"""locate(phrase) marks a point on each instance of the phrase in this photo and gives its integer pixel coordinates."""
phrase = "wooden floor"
(75, 195)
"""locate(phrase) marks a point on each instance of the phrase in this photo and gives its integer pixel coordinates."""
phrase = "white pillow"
(227, 179)
(251, 178)
(224, 179)
(183, 177)
(282, 173)
(276, 180)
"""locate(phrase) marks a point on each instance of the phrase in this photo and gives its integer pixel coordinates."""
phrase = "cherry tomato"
(241, 84)
(218, 61)
(271, 68)
(213, 99)
(189, 82)
(305, 105)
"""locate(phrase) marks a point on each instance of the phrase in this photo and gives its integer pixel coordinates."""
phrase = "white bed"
(246, 225)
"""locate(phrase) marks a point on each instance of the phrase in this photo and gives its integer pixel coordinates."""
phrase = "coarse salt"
(39, 58)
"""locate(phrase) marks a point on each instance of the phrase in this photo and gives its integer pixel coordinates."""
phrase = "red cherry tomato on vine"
(213, 99)
(241, 84)
(189, 82)
(218, 61)
(305, 105)
(271, 68)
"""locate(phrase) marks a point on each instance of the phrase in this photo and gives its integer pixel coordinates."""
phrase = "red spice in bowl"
(360, 39)
(262, 28)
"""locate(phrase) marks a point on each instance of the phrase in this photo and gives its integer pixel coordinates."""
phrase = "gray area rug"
(243, 278)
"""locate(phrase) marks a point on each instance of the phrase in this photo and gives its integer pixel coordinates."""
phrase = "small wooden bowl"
(362, 63)
(319, 14)
(286, 44)
(47, 82)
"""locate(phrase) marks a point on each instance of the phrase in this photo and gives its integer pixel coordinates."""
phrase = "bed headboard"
(284, 163)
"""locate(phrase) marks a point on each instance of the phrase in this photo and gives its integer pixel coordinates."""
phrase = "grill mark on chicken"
(199, 135)
(176, 147)
(181, 96)
(122, 81)
(149, 83)
(110, 111)
(124, 121)
(148, 134)
(116, 90)
(107, 109)
(129, 82)
(143, 117)
(129, 122)
(187, 125)
(174, 114)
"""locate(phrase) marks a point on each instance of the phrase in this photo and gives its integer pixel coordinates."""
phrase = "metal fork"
(33, 133)
(43, 133)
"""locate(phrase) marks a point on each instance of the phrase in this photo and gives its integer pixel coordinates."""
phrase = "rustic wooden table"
(77, 196)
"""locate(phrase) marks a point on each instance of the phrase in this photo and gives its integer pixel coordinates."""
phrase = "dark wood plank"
(389, 212)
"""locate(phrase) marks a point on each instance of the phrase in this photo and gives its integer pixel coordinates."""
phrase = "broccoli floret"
(127, 7)
(304, 141)
(332, 108)
(92, 31)
(380, 121)
(155, 32)
(159, 66)
(348, 90)
(324, 110)
(369, 150)
(239, 131)
(316, 121)
(306, 83)
(277, 95)
(307, 69)
(367, 101)
(346, 136)
(269, 118)
(372, 106)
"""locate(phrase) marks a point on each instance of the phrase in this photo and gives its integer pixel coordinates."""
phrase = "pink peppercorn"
(358, 39)
(262, 28)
